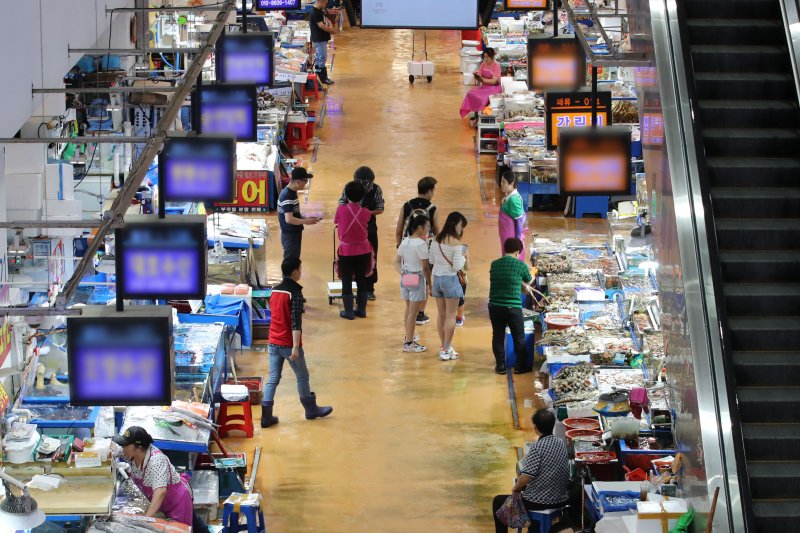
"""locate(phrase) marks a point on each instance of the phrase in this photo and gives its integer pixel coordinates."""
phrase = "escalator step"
(772, 333)
(743, 85)
(750, 9)
(739, 58)
(760, 266)
(749, 171)
(765, 299)
(780, 515)
(768, 404)
(777, 480)
(744, 202)
(736, 31)
(772, 442)
(749, 113)
(760, 368)
(758, 234)
(765, 142)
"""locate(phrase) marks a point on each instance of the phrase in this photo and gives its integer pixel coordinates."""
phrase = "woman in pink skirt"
(488, 77)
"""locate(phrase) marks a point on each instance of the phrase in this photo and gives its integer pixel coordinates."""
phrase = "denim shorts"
(447, 287)
(415, 294)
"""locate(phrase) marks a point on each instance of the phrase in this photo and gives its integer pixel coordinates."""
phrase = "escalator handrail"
(790, 11)
(722, 440)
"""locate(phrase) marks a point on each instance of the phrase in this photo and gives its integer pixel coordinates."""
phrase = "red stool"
(297, 135)
(305, 91)
(236, 416)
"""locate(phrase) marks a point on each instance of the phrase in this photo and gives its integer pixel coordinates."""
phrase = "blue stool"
(247, 504)
(591, 204)
(546, 518)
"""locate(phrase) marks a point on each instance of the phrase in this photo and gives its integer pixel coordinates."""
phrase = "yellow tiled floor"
(414, 444)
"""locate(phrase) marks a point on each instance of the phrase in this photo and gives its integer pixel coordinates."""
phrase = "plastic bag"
(513, 512)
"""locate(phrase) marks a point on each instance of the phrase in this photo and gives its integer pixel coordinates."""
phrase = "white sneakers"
(413, 347)
(449, 354)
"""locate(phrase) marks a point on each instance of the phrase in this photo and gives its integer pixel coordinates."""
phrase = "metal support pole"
(216, 7)
(25, 224)
(594, 96)
(134, 51)
(167, 88)
(153, 146)
(555, 18)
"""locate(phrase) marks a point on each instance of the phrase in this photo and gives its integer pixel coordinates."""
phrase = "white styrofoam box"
(25, 158)
(62, 208)
(15, 215)
(651, 514)
(420, 68)
(53, 181)
(24, 191)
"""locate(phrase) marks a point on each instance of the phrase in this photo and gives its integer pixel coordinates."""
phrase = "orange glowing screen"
(595, 162)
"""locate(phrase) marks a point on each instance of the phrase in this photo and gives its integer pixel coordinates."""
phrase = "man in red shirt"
(286, 344)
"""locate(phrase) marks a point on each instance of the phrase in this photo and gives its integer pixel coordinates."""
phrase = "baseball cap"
(134, 435)
(299, 173)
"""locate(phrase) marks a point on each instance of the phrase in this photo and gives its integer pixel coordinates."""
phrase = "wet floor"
(414, 444)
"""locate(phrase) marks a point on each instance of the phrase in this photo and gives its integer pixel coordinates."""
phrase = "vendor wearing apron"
(512, 216)
(155, 476)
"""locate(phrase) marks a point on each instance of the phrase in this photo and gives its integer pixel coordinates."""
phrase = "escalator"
(747, 130)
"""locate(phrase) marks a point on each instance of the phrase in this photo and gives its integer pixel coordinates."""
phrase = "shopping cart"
(335, 285)
(420, 69)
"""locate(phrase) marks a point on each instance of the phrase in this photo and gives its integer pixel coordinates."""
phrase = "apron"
(478, 98)
(177, 504)
(510, 228)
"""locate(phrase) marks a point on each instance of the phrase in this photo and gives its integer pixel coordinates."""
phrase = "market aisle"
(414, 444)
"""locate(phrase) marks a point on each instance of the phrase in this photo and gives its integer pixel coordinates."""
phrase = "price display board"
(198, 169)
(594, 161)
(573, 110)
(277, 5)
(556, 63)
(162, 259)
(246, 58)
(526, 5)
(226, 109)
(121, 358)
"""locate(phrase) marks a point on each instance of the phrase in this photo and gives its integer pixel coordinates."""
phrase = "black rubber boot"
(347, 313)
(267, 419)
(361, 311)
(323, 76)
(312, 410)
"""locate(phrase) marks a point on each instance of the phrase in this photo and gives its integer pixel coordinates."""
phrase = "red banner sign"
(252, 193)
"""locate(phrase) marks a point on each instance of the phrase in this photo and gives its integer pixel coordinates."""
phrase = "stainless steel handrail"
(696, 263)
(790, 11)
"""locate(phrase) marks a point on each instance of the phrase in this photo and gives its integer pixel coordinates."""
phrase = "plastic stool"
(314, 91)
(545, 518)
(248, 505)
(297, 133)
(235, 416)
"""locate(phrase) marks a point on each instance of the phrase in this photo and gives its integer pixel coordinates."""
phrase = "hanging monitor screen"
(526, 5)
(594, 161)
(277, 5)
(556, 63)
(420, 14)
(573, 109)
(198, 169)
(163, 259)
(245, 58)
(226, 109)
(121, 358)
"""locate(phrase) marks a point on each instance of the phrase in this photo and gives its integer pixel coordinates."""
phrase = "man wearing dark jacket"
(286, 344)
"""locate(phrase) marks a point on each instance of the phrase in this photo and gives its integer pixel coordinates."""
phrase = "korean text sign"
(555, 63)
(121, 358)
(573, 110)
(198, 169)
(246, 58)
(162, 260)
(227, 109)
(594, 161)
(522, 5)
